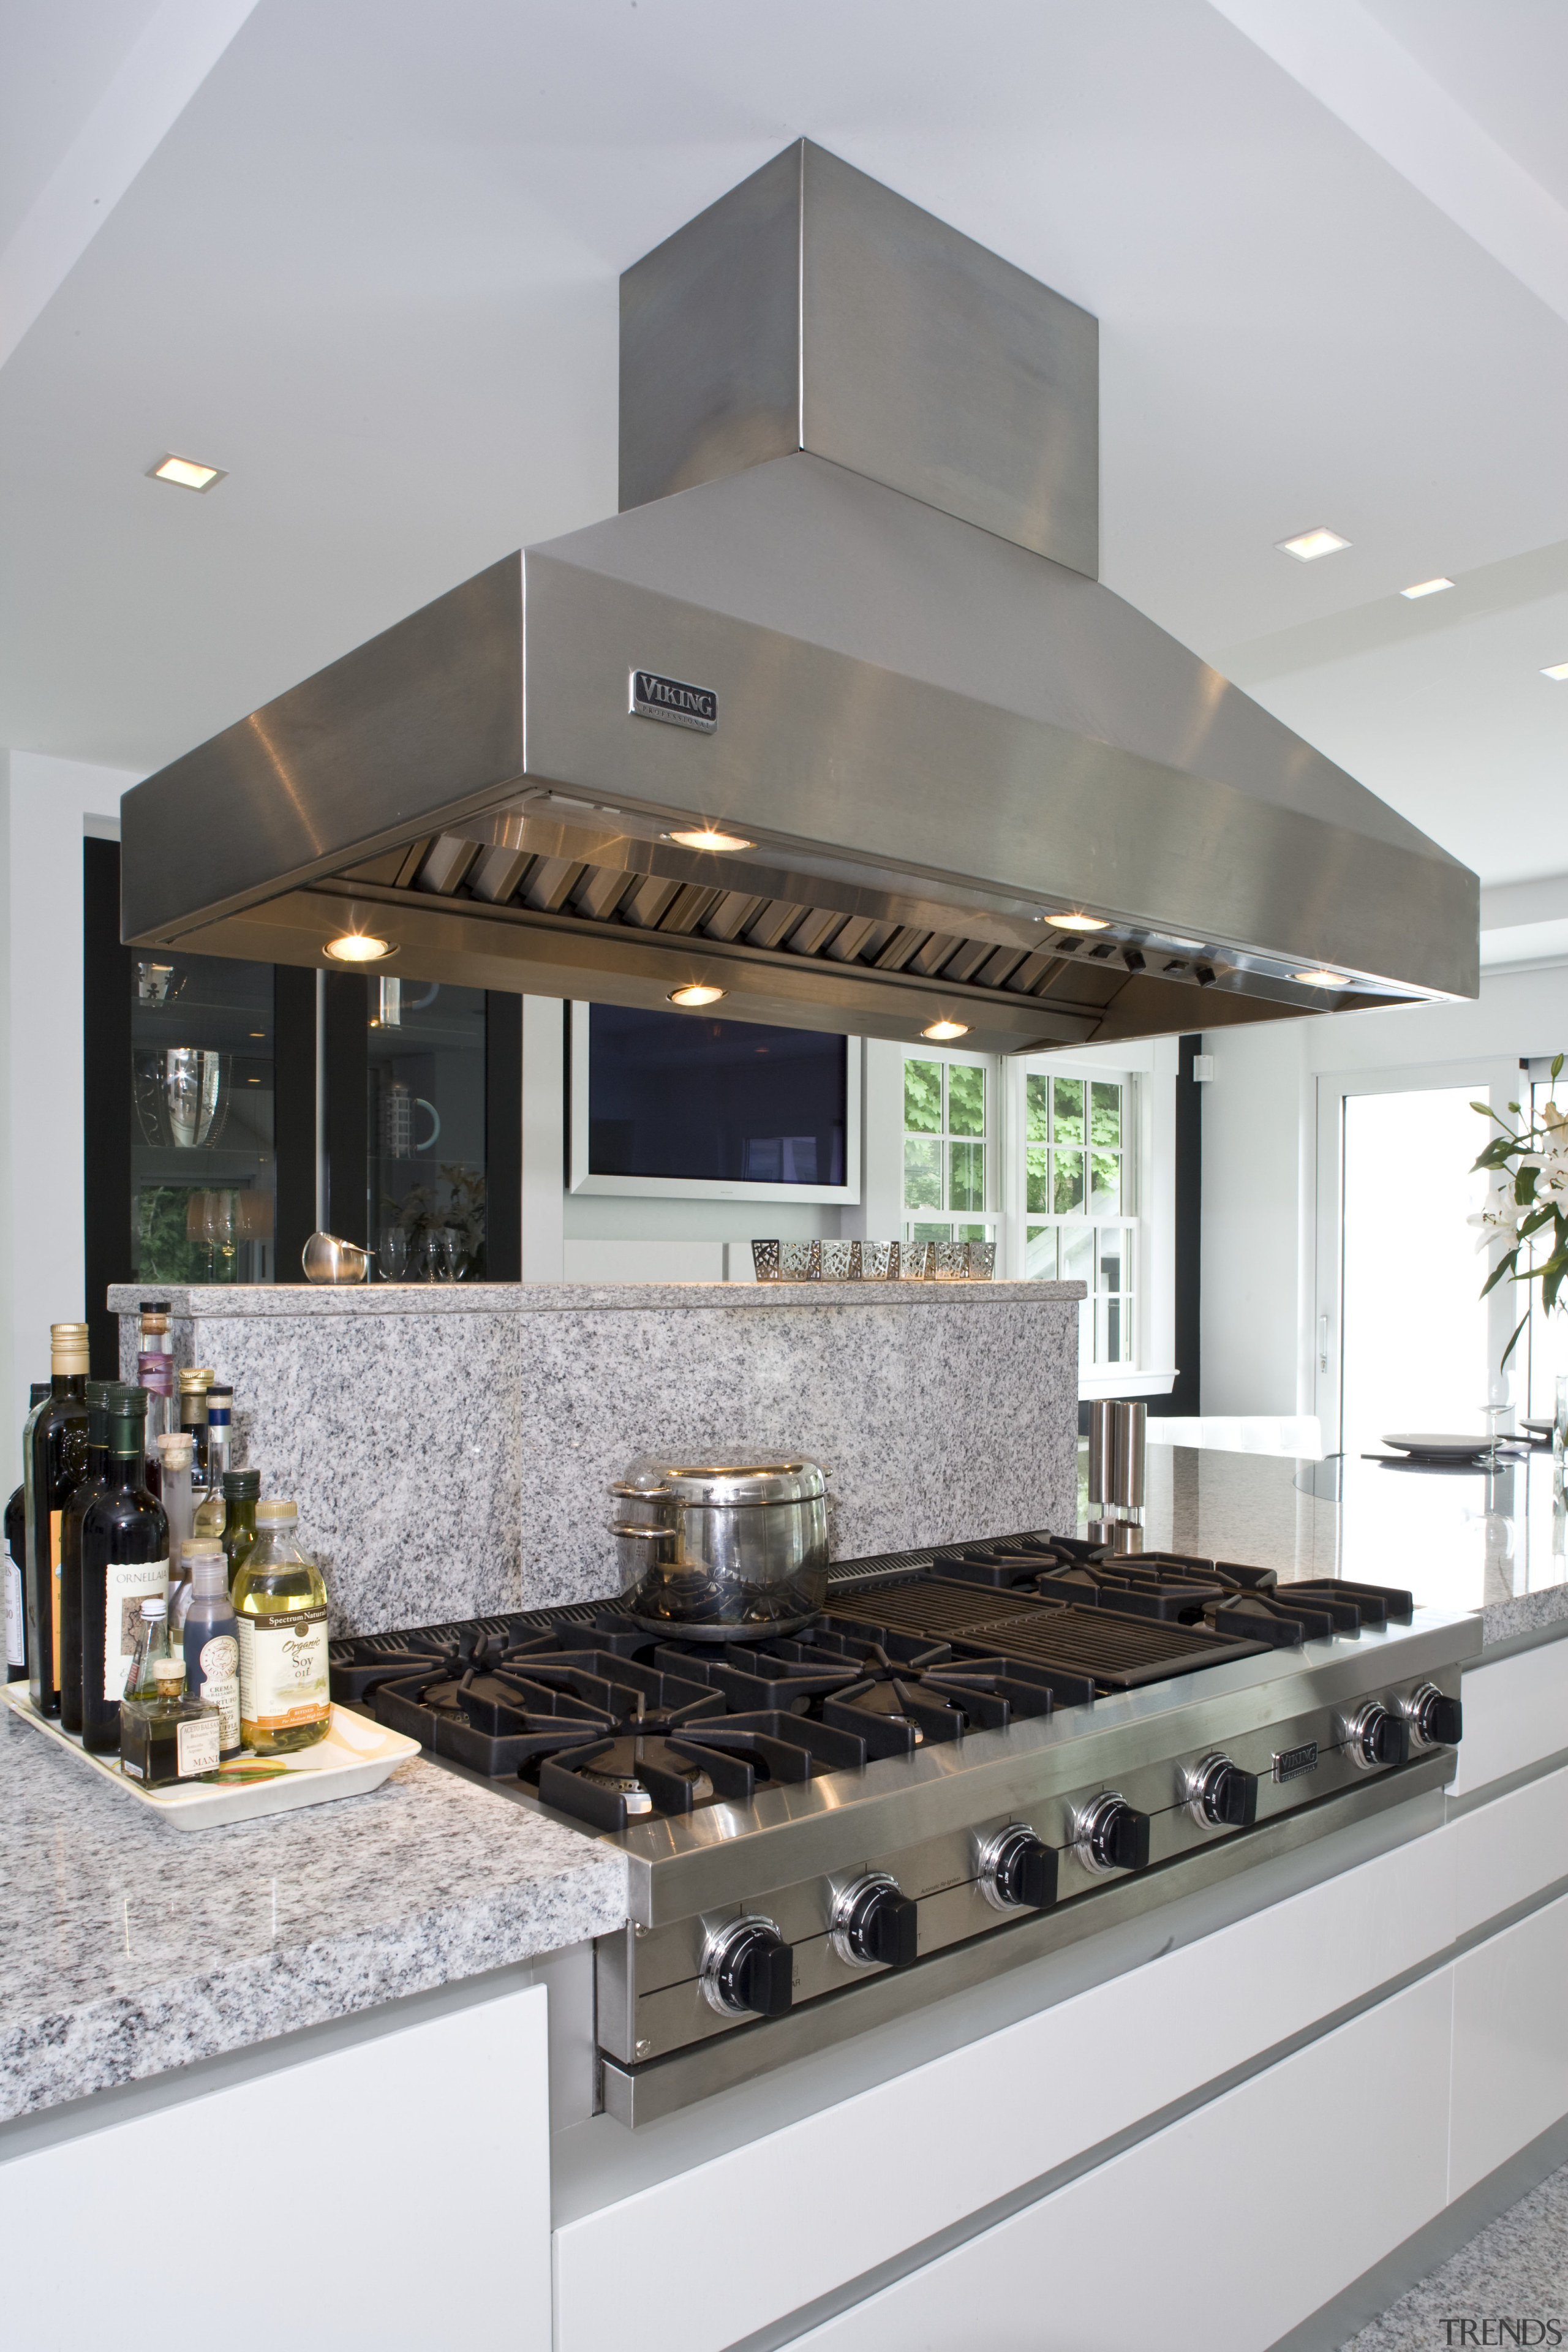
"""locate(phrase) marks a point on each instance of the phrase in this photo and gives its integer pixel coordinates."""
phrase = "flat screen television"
(684, 1105)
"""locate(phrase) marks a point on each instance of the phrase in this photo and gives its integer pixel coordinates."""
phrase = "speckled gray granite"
(1455, 1541)
(1516, 2269)
(128, 1948)
(452, 1448)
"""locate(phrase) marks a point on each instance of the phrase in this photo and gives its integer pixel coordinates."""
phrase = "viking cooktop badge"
(676, 704)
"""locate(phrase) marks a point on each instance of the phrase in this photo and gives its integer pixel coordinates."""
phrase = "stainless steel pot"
(724, 1546)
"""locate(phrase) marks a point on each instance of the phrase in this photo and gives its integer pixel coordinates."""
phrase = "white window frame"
(580, 1179)
(1151, 1066)
(990, 1216)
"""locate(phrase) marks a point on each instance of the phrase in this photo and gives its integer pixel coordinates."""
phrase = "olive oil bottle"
(280, 1603)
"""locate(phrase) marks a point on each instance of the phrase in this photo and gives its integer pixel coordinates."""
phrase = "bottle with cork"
(92, 1484)
(194, 1383)
(124, 1561)
(55, 1461)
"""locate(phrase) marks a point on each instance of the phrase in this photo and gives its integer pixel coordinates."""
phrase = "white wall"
(1259, 1169)
(46, 807)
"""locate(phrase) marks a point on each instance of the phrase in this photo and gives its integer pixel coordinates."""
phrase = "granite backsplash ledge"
(451, 1448)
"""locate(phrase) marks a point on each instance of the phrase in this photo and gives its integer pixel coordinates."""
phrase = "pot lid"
(725, 1475)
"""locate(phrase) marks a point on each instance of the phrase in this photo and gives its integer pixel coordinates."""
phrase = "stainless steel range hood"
(855, 568)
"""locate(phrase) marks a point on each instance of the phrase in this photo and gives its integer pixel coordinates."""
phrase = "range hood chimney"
(834, 717)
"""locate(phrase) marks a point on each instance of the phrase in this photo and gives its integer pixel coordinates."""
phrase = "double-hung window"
(1079, 1200)
(949, 1143)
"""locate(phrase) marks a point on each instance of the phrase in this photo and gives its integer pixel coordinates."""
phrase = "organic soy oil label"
(283, 1670)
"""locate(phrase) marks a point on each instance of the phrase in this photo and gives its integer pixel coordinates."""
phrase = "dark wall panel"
(106, 1088)
(294, 1079)
(1184, 1396)
(345, 1070)
(503, 1137)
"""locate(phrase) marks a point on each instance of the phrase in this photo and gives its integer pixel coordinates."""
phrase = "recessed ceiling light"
(1558, 670)
(188, 472)
(696, 994)
(358, 946)
(1318, 979)
(708, 837)
(1077, 922)
(939, 1032)
(1426, 588)
(1308, 545)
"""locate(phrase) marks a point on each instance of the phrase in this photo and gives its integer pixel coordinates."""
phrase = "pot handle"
(640, 1494)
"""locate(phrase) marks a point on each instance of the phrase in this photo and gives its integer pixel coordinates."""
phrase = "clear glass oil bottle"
(280, 1603)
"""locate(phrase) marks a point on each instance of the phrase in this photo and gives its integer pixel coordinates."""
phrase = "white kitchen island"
(1244, 2120)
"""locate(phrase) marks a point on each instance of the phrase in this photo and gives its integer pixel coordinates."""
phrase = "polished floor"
(1510, 2284)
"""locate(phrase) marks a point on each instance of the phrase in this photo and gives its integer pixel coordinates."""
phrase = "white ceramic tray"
(355, 1755)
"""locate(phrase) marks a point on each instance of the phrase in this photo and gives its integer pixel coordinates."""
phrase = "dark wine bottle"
(56, 1459)
(15, 1560)
(124, 1558)
(92, 1484)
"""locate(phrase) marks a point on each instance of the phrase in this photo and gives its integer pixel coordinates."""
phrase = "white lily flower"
(1502, 1217)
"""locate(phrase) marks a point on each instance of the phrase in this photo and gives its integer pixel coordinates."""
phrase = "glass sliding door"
(1402, 1340)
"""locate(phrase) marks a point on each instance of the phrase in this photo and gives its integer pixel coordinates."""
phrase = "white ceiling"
(368, 264)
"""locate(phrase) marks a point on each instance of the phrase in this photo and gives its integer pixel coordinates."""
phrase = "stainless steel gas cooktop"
(976, 1755)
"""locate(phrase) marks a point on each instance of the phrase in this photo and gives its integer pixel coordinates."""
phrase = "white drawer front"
(1266, 2180)
(1510, 2044)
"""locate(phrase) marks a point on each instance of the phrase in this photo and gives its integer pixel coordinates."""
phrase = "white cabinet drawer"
(1510, 2044)
(1508, 1850)
(378, 2155)
(1516, 1714)
(1288, 2179)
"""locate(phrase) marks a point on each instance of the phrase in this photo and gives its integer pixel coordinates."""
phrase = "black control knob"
(1383, 1737)
(748, 1970)
(1116, 1837)
(1225, 1796)
(874, 1925)
(1438, 1720)
(1017, 1869)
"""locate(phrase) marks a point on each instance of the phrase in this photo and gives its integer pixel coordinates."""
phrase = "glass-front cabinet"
(202, 1163)
(425, 1116)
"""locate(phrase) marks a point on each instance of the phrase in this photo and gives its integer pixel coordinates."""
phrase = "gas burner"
(897, 1707)
(668, 1768)
(497, 1706)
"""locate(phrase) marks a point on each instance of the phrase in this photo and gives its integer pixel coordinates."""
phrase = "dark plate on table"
(1437, 1445)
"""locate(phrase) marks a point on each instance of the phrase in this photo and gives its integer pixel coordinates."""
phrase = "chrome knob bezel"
(848, 1904)
(1201, 1782)
(1359, 1731)
(992, 1860)
(1087, 1822)
(718, 1951)
(1415, 1708)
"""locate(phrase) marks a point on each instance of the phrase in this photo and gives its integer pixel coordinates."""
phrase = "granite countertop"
(1457, 1539)
(128, 1948)
(276, 1300)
